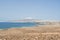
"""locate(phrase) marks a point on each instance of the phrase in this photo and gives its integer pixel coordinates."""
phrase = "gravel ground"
(35, 33)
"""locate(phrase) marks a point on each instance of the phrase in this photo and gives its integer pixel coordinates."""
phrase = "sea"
(5, 25)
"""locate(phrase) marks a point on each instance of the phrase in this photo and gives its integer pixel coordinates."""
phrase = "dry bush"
(35, 33)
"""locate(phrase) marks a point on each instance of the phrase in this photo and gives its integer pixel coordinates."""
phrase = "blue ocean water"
(4, 25)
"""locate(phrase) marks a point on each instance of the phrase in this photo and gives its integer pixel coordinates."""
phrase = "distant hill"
(48, 22)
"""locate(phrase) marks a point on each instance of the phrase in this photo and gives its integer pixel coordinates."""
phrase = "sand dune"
(48, 32)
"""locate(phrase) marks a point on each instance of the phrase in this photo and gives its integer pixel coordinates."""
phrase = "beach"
(47, 32)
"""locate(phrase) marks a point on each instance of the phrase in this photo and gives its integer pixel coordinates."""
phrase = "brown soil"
(34, 33)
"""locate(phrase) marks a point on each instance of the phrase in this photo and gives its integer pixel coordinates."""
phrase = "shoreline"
(32, 26)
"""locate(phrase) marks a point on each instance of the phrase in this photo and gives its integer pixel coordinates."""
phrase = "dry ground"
(34, 33)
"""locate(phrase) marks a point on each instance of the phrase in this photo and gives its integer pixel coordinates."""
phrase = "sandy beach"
(48, 32)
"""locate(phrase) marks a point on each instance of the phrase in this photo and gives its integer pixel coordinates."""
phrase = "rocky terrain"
(34, 33)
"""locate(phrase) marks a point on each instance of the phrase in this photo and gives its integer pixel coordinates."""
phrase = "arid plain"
(47, 32)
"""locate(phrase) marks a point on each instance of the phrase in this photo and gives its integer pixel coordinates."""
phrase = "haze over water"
(27, 9)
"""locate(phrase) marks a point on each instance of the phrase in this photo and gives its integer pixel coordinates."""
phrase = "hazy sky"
(36, 9)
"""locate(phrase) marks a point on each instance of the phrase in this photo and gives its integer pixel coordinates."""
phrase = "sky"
(35, 9)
